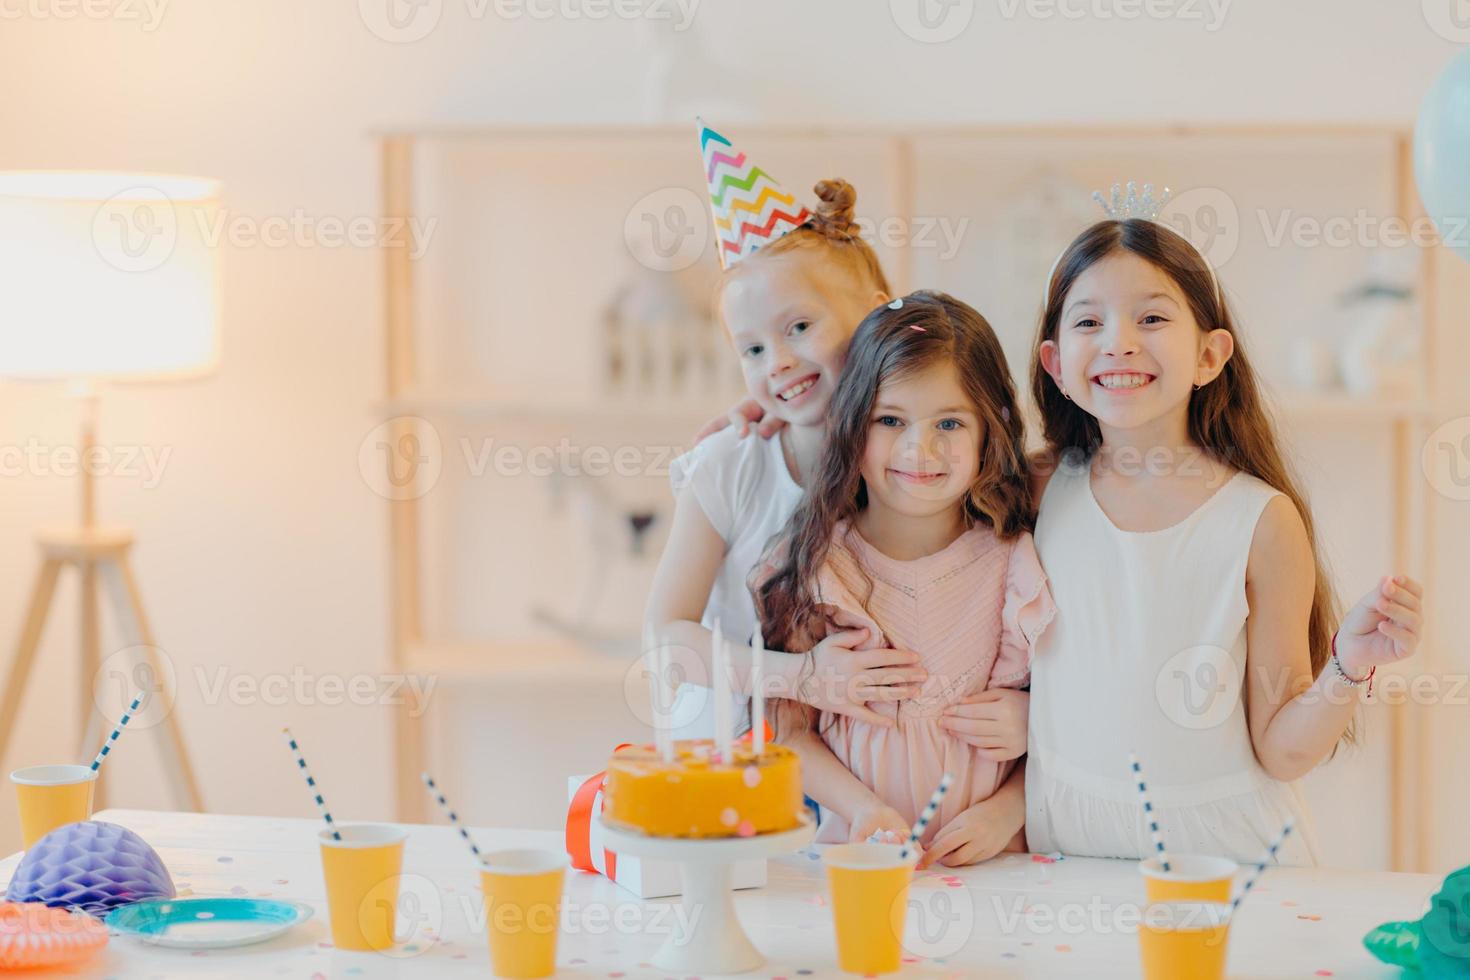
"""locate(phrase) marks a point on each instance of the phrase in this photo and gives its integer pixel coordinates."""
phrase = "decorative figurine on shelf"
(92, 866)
(660, 338)
(1380, 351)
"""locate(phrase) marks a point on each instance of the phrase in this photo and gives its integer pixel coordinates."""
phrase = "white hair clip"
(896, 304)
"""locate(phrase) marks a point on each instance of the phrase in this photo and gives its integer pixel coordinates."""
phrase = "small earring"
(1197, 387)
(1064, 393)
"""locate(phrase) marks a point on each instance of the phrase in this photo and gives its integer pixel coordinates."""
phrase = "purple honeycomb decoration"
(92, 866)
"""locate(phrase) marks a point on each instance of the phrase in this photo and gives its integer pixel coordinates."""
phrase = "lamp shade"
(108, 276)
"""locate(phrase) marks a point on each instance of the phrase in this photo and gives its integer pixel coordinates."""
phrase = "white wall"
(262, 547)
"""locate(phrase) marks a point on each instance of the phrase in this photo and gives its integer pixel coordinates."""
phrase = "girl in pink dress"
(916, 527)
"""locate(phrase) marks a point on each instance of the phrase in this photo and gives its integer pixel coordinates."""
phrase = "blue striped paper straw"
(107, 745)
(449, 812)
(311, 783)
(1148, 811)
(1261, 865)
(924, 818)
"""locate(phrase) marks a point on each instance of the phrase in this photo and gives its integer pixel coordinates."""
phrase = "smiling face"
(923, 448)
(1128, 349)
(790, 319)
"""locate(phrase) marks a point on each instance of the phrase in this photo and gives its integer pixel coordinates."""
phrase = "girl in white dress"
(1194, 620)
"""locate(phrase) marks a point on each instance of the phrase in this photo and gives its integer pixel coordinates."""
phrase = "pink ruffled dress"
(972, 612)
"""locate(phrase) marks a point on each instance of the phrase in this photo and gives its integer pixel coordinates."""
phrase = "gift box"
(645, 878)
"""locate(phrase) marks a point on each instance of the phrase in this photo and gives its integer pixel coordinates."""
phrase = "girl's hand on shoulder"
(744, 415)
(876, 818)
(846, 680)
(993, 722)
(1383, 627)
(978, 834)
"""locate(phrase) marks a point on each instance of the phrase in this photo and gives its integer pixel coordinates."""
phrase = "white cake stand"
(716, 942)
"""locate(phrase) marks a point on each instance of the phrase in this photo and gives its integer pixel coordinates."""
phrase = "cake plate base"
(715, 942)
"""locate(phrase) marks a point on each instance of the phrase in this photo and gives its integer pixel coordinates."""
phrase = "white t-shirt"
(748, 495)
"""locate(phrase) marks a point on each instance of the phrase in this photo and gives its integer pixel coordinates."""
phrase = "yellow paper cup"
(1184, 940)
(523, 910)
(50, 796)
(362, 872)
(1190, 878)
(870, 884)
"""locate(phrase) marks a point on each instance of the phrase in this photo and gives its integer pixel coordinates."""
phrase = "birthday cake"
(697, 795)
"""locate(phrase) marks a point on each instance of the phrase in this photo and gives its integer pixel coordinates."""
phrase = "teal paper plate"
(207, 923)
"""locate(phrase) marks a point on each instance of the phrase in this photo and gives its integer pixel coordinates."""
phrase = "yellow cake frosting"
(694, 796)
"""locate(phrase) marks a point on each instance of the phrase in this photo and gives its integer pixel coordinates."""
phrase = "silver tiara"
(1127, 203)
(1121, 207)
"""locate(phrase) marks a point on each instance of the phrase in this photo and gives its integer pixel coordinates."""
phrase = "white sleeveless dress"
(1148, 654)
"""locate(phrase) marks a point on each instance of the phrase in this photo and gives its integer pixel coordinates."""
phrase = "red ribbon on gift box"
(579, 826)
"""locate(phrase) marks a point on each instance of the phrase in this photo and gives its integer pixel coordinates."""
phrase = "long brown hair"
(1228, 419)
(929, 328)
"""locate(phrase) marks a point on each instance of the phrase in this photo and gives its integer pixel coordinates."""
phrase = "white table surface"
(1010, 917)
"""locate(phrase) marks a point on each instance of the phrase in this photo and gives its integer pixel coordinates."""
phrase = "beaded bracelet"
(1342, 674)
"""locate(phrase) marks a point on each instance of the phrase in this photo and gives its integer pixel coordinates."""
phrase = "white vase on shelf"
(1380, 351)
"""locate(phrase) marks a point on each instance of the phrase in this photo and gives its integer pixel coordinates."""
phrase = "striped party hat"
(750, 208)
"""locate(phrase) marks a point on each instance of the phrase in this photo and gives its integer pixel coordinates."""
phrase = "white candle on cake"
(722, 697)
(662, 738)
(758, 695)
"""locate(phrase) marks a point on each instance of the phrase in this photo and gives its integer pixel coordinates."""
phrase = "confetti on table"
(225, 859)
(1043, 859)
(1311, 918)
(1289, 905)
(1324, 973)
(1064, 949)
(237, 889)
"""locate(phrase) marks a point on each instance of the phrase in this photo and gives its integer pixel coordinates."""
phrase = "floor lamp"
(108, 278)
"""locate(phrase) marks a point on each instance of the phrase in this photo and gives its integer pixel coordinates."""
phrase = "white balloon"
(1442, 154)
